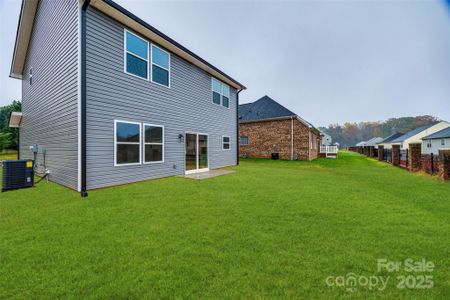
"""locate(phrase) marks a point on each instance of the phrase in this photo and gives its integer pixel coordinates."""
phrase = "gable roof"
(263, 108)
(373, 141)
(412, 133)
(390, 138)
(444, 133)
(117, 12)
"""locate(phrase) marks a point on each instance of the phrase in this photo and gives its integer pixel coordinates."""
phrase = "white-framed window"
(127, 143)
(443, 142)
(429, 144)
(220, 93)
(226, 143)
(135, 55)
(244, 140)
(153, 143)
(160, 66)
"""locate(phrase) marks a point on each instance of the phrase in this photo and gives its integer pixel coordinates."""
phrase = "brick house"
(266, 127)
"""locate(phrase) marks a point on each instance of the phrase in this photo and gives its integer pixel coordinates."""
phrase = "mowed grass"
(273, 229)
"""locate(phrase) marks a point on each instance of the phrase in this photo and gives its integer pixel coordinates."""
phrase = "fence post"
(444, 157)
(380, 152)
(414, 157)
(371, 151)
(395, 155)
(432, 164)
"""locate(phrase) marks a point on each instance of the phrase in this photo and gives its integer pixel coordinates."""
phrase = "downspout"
(18, 143)
(238, 143)
(292, 138)
(83, 98)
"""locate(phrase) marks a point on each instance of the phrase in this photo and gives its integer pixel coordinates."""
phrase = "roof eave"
(23, 35)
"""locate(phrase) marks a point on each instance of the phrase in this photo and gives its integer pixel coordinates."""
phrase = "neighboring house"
(325, 139)
(438, 140)
(266, 127)
(373, 142)
(416, 135)
(113, 100)
(387, 141)
(361, 144)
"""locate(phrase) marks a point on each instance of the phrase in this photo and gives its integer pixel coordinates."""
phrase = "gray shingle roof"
(263, 108)
(412, 133)
(441, 134)
(374, 141)
(391, 138)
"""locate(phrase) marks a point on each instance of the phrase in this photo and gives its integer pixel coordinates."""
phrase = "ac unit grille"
(17, 174)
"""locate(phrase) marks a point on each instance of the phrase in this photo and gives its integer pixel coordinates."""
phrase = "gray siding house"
(113, 100)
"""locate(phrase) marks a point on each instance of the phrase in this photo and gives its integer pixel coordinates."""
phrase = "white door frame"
(197, 170)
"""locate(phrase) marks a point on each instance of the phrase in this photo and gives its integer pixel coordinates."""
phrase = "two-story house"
(112, 100)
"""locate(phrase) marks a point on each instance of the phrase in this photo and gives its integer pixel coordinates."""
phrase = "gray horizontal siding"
(49, 105)
(112, 94)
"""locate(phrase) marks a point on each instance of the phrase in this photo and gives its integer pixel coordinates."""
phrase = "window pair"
(137, 60)
(128, 143)
(220, 93)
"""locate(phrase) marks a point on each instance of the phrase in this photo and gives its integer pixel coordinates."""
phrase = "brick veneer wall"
(266, 137)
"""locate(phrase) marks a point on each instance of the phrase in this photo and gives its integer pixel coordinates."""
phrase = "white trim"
(197, 170)
(145, 143)
(229, 142)
(127, 143)
(152, 63)
(79, 100)
(125, 51)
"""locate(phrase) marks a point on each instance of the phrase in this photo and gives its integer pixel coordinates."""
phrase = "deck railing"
(329, 151)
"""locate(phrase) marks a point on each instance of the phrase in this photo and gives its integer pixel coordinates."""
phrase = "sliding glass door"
(196, 152)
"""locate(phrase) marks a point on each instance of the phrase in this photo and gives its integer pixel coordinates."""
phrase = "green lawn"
(273, 229)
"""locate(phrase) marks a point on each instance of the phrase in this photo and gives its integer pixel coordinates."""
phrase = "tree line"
(349, 133)
(8, 136)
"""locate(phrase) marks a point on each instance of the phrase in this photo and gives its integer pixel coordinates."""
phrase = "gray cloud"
(329, 61)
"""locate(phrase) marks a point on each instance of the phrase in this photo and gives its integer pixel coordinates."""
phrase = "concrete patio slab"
(207, 174)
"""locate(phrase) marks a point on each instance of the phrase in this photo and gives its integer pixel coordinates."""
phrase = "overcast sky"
(328, 61)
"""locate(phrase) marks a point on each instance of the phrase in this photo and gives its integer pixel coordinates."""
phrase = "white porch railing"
(329, 151)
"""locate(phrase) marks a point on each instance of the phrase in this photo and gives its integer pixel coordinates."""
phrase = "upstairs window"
(443, 142)
(220, 93)
(153, 143)
(160, 66)
(225, 95)
(127, 143)
(217, 91)
(244, 140)
(429, 145)
(226, 143)
(136, 55)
